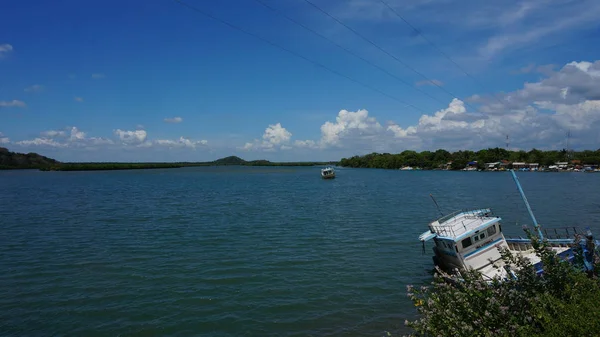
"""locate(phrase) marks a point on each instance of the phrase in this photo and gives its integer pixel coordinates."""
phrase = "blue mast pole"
(535, 223)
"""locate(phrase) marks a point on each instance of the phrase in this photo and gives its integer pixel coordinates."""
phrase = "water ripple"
(239, 251)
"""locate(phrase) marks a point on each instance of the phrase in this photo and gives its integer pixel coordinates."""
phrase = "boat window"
(491, 230)
(466, 242)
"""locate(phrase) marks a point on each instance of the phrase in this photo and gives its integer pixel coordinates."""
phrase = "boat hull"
(518, 247)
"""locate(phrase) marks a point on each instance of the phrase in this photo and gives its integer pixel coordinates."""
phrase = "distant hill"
(15, 160)
(231, 160)
(234, 160)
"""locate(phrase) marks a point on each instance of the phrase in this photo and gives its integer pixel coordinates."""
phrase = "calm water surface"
(241, 251)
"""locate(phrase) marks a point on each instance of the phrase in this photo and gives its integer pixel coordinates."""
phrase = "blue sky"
(154, 80)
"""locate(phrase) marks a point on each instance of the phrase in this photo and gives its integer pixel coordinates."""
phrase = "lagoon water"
(241, 251)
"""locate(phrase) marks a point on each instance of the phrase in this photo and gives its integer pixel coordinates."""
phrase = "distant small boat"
(328, 173)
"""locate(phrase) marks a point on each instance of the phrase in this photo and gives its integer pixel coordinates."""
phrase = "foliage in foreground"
(562, 302)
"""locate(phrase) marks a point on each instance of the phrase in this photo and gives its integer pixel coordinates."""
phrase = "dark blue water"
(241, 251)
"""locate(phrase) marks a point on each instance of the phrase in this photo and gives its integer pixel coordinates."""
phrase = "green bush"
(564, 301)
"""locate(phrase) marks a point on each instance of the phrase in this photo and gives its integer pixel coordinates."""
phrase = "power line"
(347, 50)
(385, 51)
(420, 33)
(198, 10)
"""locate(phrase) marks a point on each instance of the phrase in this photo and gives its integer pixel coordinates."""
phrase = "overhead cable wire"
(348, 51)
(420, 33)
(206, 14)
(385, 51)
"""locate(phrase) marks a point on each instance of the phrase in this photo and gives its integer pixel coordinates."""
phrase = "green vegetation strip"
(13, 160)
(429, 160)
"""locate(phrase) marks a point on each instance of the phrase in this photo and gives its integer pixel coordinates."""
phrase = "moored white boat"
(472, 239)
(328, 173)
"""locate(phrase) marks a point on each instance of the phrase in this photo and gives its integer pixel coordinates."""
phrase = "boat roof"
(459, 224)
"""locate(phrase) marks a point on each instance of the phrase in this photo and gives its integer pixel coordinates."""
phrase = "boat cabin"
(466, 239)
(328, 173)
(472, 239)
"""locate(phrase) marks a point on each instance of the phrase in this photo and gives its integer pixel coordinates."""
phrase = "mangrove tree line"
(459, 159)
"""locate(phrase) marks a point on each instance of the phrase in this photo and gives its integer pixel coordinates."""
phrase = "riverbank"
(15, 161)
(492, 159)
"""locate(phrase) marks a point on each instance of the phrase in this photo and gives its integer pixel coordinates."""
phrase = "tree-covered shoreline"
(15, 161)
(442, 159)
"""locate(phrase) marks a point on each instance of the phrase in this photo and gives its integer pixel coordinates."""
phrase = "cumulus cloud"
(34, 88)
(275, 137)
(173, 120)
(349, 124)
(5, 49)
(572, 84)
(537, 115)
(76, 134)
(136, 137)
(12, 104)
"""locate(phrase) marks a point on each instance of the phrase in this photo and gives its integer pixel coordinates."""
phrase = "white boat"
(471, 239)
(328, 173)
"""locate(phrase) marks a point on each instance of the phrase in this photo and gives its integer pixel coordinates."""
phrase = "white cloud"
(493, 27)
(53, 133)
(275, 137)
(5, 49)
(538, 115)
(73, 138)
(13, 103)
(557, 19)
(47, 142)
(78, 99)
(349, 124)
(309, 144)
(34, 88)
(100, 141)
(136, 137)
(181, 142)
(276, 134)
(4, 139)
(173, 120)
(572, 84)
(76, 135)
(98, 76)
